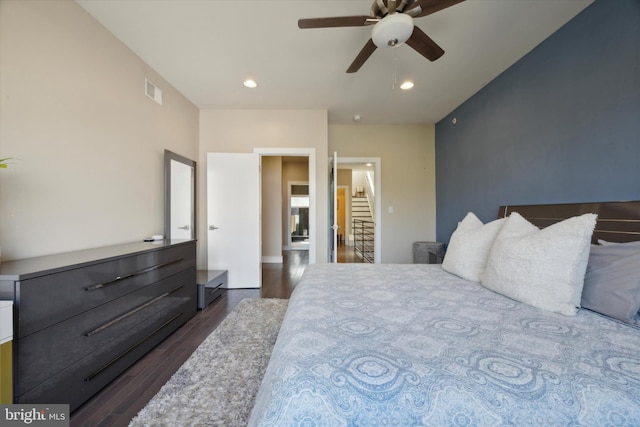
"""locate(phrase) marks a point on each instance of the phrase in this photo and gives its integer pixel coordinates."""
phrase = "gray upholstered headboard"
(617, 221)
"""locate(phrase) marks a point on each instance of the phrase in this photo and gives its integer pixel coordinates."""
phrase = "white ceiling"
(207, 48)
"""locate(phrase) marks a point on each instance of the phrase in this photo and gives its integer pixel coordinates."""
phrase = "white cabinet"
(6, 349)
(6, 321)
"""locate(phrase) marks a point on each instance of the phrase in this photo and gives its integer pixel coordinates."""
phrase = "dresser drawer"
(78, 382)
(47, 300)
(49, 351)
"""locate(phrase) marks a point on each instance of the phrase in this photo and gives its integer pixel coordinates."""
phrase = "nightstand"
(428, 252)
(210, 283)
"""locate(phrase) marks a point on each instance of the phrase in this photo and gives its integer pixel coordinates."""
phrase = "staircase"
(363, 229)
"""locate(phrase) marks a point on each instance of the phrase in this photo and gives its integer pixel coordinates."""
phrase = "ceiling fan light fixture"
(406, 85)
(250, 83)
(392, 30)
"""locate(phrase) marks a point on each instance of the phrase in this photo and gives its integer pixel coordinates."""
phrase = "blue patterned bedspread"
(412, 345)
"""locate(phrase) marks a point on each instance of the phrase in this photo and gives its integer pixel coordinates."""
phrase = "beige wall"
(89, 143)
(241, 131)
(272, 209)
(345, 177)
(407, 156)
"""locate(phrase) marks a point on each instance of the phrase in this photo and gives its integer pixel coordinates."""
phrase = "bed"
(413, 344)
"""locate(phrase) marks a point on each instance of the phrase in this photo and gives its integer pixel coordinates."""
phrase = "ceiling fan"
(392, 22)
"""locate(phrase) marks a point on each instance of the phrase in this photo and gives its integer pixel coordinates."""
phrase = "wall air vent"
(153, 91)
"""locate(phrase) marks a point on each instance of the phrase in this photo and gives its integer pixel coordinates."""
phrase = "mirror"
(180, 197)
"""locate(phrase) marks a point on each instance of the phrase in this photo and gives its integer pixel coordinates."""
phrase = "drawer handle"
(128, 350)
(130, 312)
(135, 273)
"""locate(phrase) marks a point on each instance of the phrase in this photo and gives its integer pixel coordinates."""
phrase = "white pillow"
(543, 268)
(469, 247)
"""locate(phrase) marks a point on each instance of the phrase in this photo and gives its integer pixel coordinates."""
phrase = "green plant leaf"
(3, 163)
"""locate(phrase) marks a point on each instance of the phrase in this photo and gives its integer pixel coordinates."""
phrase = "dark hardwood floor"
(121, 400)
(347, 255)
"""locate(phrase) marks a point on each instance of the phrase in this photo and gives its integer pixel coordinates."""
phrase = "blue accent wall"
(561, 125)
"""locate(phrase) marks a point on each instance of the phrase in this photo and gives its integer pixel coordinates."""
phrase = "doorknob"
(186, 227)
(213, 227)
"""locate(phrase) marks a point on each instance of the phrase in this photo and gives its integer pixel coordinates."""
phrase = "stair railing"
(363, 240)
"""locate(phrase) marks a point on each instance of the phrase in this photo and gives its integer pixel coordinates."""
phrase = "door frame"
(333, 208)
(302, 152)
(377, 227)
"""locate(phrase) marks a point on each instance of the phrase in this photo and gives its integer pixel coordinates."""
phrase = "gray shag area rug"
(218, 384)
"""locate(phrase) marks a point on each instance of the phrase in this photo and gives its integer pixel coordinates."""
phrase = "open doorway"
(287, 223)
(295, 166)
(358, 178)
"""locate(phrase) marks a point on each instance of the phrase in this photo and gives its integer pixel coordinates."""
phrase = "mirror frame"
(168, 157)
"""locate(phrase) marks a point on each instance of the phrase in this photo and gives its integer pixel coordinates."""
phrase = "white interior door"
(333, 207)
(233, 217)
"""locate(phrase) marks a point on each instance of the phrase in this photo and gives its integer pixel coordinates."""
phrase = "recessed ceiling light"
(406, 85)
(250, 83)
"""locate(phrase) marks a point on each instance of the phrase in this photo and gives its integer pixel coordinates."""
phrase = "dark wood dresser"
(82, 318)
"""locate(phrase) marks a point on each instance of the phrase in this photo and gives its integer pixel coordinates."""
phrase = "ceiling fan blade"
(338, 21)
(364, 54)
(427, 7)
(423, 44)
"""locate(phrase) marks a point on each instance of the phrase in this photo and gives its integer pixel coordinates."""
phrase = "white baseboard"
(272, 259)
